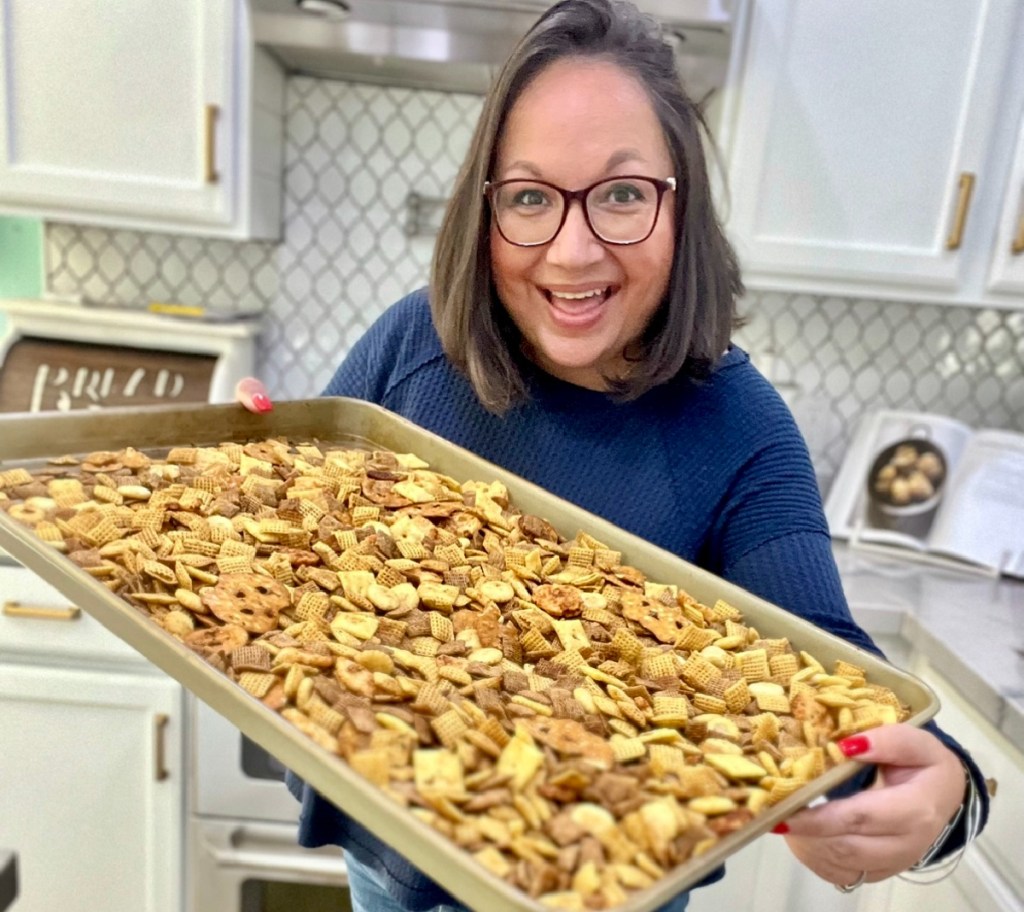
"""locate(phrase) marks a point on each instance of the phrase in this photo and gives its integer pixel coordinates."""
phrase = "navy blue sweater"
(715, 471)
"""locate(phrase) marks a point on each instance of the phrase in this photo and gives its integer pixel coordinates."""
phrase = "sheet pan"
(28, 439)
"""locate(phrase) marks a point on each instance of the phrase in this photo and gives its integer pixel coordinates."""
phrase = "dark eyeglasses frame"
(568, 196)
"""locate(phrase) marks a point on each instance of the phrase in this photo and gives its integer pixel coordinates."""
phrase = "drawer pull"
(42, 612)
(210, 165)
(992, 786)
(963, 204)
(1017, 247)
(160, 771)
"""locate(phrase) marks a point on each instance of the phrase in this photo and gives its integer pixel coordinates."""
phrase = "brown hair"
(692, 327)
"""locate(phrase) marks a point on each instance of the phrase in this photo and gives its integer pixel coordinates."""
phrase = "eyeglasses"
(618, 210)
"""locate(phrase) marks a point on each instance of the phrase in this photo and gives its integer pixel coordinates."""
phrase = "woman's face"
(578, 301)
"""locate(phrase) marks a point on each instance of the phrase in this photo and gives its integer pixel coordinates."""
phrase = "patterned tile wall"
(835, 358)
(354, 154)
(131, 268)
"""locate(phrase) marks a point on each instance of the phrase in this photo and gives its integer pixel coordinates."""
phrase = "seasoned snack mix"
(576, 727)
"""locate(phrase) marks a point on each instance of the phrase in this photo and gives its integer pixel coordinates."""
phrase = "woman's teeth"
(578, 296)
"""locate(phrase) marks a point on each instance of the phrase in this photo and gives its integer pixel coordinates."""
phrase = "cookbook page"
(982, 519)
(894, 478)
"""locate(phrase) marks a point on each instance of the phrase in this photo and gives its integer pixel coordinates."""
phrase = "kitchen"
(311, 210)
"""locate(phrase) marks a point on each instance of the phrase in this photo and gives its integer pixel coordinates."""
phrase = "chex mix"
(577, 728)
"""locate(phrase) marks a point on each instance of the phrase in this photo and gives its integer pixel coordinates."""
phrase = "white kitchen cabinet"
(975, 887)
(999, 846)
(149, 114)
(868, 145)
(765, 877)
(91, 764)
(1007, 273)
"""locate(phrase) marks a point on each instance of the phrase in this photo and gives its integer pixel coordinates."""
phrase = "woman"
(577, 332)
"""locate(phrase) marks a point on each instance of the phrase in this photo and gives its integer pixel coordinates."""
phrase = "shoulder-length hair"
(692, 327)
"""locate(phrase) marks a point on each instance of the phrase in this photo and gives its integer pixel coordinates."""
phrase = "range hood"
(458, 45)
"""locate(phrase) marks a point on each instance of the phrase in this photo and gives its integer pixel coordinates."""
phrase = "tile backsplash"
(354, 154)
(835, 358)
(129, 268)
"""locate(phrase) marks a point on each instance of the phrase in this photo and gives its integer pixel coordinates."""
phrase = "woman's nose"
(575, 245)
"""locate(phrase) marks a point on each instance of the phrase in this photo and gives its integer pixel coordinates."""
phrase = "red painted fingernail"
(781, 828)
(854, 745)
(261, 402)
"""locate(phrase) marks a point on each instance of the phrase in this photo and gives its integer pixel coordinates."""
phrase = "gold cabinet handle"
(42, 612)
(1017, 247)
(212, 113)
(160, 771)
(963, 204)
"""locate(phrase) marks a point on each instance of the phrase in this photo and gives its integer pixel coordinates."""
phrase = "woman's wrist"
(965, 823)
(950, 828)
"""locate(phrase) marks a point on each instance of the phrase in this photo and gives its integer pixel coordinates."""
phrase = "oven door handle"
(254, 848)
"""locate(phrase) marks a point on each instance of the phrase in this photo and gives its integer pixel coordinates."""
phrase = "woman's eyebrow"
(615, 159)
(524, 166)
(624, 155)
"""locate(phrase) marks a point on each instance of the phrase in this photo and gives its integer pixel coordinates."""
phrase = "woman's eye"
(530, 197)
(623, 193)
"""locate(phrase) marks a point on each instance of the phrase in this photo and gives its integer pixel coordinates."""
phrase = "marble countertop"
(968, 625)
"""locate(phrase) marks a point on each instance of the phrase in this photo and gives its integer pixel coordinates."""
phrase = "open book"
(934, 486)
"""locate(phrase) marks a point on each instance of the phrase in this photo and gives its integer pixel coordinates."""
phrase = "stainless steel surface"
(231, 778)
(457, 45)
(232, 861)
(34, 437)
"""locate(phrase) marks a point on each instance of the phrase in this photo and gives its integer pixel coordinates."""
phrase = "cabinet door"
(1000, 843)
(1007, 275)
(763, 877)
(855, 124)
(104, 108)
(974, 887)
(92, 789)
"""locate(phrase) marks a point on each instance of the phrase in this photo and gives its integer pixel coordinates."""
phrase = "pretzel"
(249, 600)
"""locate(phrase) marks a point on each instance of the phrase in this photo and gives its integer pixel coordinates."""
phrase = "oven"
(243, 831)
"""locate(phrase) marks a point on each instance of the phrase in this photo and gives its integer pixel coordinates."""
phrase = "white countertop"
(969, 626)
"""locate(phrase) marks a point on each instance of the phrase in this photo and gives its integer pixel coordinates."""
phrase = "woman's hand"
(250, 393)
(887, 828)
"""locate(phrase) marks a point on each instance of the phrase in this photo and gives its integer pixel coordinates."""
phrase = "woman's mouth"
(578, 309)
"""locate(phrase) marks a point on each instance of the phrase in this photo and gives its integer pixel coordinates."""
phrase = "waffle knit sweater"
(715, 472)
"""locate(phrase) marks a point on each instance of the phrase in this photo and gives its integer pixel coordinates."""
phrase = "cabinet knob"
(963, 204)
(42, 612)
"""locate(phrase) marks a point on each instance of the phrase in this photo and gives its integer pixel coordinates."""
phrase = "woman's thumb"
(252, 394)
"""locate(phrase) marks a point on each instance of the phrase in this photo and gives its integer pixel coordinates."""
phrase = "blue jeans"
(369, 896)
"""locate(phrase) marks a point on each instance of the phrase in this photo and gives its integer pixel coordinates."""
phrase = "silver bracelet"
(970, 811)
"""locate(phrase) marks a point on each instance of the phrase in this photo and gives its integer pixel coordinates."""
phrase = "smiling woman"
(577, 332)
(579, 300)
(576, 105)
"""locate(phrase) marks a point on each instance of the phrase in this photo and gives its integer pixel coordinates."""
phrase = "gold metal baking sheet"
(25, 439)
